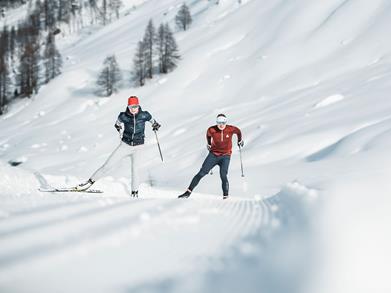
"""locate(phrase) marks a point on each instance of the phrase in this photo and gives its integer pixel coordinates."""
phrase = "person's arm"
(239, 135)
(209, 139)
(155, 124)
(120, 126)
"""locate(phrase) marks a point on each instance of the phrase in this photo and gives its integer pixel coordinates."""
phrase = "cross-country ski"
(69, 190)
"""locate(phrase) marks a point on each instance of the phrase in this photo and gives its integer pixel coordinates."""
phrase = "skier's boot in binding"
(134, 193)
(186, 194)
(225, 196)
(84, 186)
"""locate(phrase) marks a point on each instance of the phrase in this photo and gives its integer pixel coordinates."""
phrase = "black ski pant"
(211, 161)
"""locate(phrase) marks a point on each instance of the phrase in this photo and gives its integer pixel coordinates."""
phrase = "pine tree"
(139, 64)
(48, 12)
(183, 18)
(13, 42)
(75, 7)
(5, 41)
(161, 36)
(171, 53)
(34, 21)
(104, 12)
(64, 10)
(94, 10)
(115, 6)
(5, 80)
(167, 49)
(149, 41)
(109, 78)
(52, 59)
(76, 15)
(29, 69)
(5, 83)
(11, 3)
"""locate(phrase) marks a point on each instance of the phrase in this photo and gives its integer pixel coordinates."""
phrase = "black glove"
(241, 143)
(209, 147)
(117, 127)
(155, 126)
(120, 128)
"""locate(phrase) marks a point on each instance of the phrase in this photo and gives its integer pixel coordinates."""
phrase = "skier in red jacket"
(219, 139)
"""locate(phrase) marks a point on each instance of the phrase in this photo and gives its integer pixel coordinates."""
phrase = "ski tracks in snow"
(29, 235)
(133, 241)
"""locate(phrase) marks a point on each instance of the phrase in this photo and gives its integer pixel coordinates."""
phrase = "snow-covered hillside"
(307, 82)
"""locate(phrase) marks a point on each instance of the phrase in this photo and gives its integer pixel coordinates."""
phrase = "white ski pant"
(122, 151)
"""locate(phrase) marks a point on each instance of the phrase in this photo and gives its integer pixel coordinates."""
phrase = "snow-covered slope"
(308, 84)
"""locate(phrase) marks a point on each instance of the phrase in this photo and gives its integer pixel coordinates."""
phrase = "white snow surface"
(329, 101)
(308, 83)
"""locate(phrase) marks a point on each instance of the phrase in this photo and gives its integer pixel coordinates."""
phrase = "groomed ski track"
(105, 239)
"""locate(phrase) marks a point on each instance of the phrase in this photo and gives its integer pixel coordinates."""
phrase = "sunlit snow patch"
(329, 101)
(83, 149)
(301, 190)
(179, 131)
(162, 80)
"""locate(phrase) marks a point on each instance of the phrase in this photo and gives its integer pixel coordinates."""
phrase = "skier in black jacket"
(131, 127)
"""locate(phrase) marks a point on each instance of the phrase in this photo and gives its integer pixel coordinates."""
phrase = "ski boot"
(185, 195)
(84, 186)
(225, 196)
(134, 193)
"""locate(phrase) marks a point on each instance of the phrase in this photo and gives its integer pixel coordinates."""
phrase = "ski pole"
(241, 160)
(158, 145)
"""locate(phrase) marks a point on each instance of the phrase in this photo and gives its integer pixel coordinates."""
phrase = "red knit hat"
(133, 100)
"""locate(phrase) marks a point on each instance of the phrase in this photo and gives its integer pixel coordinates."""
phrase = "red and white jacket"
(221, 140)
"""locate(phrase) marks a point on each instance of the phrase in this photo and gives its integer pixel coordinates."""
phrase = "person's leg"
(209, 163)
(134, 170)
(224, 165)
(115, 157)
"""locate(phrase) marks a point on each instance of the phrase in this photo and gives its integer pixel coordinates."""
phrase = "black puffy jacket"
(133, 126)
